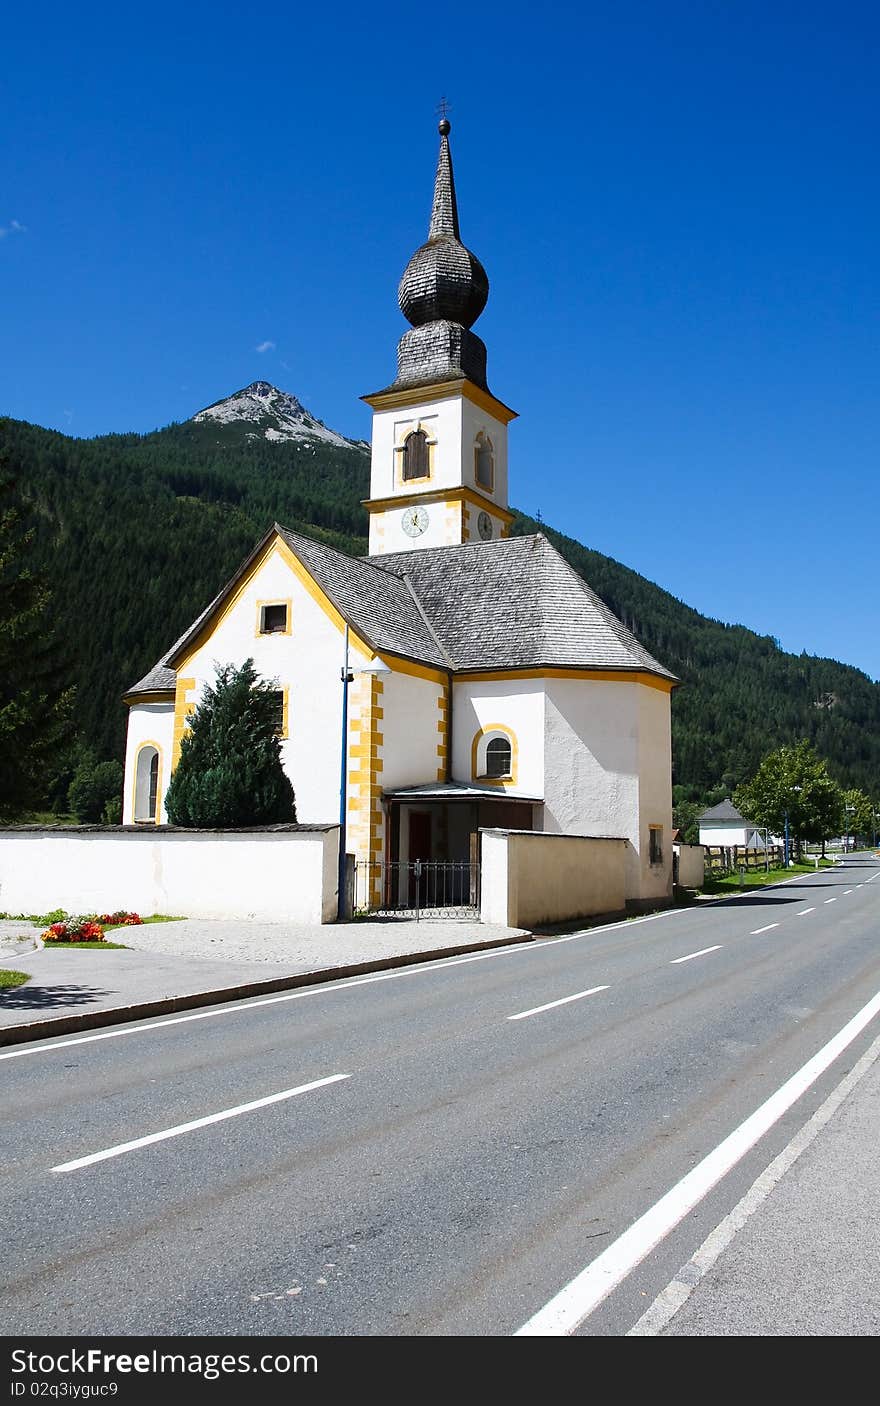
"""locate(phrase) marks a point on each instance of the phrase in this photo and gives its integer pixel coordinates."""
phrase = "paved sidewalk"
(191, 962)
(805, 1262)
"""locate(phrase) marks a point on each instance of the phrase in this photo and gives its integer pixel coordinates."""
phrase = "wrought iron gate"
(421, 889)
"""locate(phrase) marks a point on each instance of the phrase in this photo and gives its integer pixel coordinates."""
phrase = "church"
(484, 685)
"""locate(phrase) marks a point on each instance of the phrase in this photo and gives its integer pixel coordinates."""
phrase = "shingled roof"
(725, 810)
(516, 604)
(511, 604)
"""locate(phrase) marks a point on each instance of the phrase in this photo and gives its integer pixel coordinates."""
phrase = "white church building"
(489, 686)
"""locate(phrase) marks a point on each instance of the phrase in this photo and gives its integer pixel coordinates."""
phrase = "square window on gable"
(274, 618)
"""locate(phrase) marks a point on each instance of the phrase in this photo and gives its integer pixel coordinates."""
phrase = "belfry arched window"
(415, 455)
(146, 784)
(484, 462)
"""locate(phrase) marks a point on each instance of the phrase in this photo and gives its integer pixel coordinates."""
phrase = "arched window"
(499, 756)
(146, 784)
(484, 462)
(415, 455)
(495, 755)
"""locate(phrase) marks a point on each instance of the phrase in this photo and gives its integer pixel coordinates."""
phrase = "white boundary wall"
(277, 874)
(691, 866)
(529, 878)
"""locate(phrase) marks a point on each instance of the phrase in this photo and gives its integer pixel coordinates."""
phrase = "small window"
(415, 455)
(146, 785)
(484, 462)
(498, 757)
(278, 712)
(655, 845)
(273, 620)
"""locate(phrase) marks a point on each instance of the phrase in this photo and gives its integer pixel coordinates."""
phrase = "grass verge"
(76, 946)
(10, 979)
(757, 878)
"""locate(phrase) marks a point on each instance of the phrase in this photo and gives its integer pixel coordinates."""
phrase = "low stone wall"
(531, 878)
(277, 873)
(691, 866)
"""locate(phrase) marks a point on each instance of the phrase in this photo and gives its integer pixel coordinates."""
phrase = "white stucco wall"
(728, 835)
(307, 662)
(655, 789)
(148, 723)
(691, 866)
(410, 720)
(528, 879)
(608, 770)
(475, 420)
(276, 876)
(517, 704)
(453, 425)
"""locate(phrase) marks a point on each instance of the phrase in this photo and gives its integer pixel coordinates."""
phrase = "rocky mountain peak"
(274, 415)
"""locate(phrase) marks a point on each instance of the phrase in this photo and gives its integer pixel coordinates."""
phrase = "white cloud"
(265, 346)
(12, 228)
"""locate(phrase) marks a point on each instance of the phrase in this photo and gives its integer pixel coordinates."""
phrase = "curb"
(169, 1005)
(19, 950)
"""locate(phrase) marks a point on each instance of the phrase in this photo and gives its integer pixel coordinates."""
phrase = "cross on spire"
(443, 108)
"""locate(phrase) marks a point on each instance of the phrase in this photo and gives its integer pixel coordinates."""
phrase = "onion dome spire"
(443, 290)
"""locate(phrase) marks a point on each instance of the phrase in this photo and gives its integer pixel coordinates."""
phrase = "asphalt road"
(437, 1150)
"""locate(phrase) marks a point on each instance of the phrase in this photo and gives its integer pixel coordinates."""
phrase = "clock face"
(484, 526)
(414, 521)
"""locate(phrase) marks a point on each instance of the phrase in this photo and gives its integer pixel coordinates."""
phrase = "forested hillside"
(138, 532)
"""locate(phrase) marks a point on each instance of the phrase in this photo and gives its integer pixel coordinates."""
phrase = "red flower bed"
(75, 930)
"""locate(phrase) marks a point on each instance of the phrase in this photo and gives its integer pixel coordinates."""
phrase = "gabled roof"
(725, 810)
(514, 604)
(510, 604)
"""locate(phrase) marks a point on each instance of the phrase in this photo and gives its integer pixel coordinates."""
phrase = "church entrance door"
(419, 850)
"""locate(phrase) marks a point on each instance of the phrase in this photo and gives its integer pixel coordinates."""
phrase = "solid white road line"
(679, 1289)
(691, 955)
(578, 996)
(801, 911)
(568, 1309)
(755, 931)
(196, 1123)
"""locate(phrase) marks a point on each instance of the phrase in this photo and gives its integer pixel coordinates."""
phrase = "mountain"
(273, 414)
(136, 533)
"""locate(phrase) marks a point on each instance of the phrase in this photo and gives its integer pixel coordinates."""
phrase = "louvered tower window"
(415, 455)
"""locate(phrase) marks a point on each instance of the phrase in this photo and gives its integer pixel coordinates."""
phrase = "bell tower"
(439, 448)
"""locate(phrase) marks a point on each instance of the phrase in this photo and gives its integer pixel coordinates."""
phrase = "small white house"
(722, 825)
(491, 688)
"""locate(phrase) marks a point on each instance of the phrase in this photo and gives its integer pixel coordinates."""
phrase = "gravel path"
(302, 947)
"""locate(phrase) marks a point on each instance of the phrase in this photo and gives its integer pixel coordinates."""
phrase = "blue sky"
(676, 203)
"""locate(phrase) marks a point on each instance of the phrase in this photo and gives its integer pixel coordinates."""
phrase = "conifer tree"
(35, 703)
(230, 773)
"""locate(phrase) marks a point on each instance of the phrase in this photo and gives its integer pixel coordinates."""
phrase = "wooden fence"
(729, 859)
